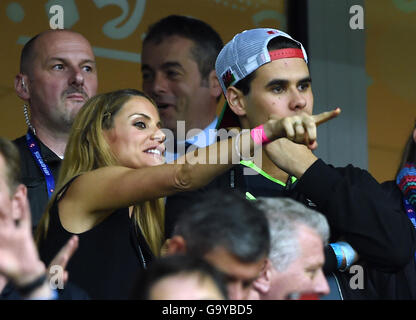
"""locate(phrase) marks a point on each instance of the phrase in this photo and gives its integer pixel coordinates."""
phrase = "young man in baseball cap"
(264, 73)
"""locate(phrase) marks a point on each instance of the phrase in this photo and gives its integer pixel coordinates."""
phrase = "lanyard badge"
(34, 150)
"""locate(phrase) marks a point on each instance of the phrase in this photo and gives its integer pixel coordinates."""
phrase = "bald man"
(57, 76)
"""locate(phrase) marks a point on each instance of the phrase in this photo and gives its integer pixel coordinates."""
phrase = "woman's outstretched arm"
(110, 188)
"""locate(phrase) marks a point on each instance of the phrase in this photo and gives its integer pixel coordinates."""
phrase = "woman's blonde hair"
(88, 150)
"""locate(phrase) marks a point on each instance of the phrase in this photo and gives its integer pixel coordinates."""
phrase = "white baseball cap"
(244, 54)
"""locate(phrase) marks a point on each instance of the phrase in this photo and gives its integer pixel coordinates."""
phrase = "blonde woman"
(112, 183)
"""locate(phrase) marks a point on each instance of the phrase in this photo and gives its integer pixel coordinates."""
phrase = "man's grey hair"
(285, 216)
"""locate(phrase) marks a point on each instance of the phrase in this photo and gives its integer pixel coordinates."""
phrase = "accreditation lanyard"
(34, 150)
(290, 181)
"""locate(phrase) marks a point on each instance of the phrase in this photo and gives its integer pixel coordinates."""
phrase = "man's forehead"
(62, 42)
(169, 40)
(288, 68)
(170, 49)
(311, 245)
(233, 267)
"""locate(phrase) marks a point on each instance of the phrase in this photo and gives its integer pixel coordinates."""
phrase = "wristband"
(259, 136)
(349, 253)
(343, 249)
(28, 288)
(339, 254)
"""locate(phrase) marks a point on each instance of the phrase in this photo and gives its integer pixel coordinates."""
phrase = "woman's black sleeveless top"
(108, 257)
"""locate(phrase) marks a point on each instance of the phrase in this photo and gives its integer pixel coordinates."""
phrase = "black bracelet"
(28, 288)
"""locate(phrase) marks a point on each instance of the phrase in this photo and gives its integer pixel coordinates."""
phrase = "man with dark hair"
(178, 72)
(264, 73)
(228, 232)
(180, 277)
(57, 75)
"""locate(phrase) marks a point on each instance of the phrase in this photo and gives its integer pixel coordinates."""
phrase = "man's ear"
(414, 135)
(264, 282)
(214, 85)
(21, 86)
(176, 244)
(236, 101)
(18, 199)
